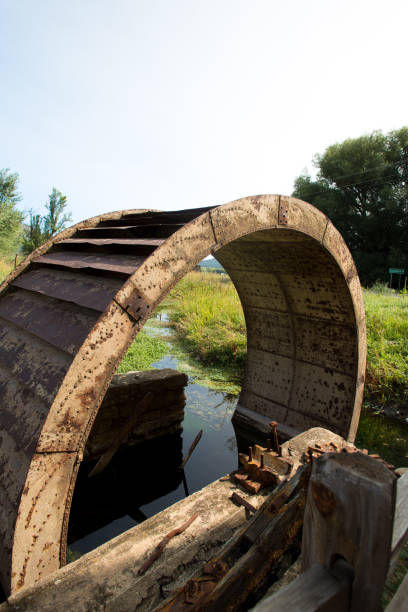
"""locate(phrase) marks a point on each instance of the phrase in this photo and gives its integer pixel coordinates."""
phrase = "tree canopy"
(10, 217)
(362, 186)
(56, 219)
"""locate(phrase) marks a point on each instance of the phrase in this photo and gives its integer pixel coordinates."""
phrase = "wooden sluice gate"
(69, 312)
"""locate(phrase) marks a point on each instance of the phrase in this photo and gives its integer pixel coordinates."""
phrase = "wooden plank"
(251, 556)
(176, 216)
(349, 514)
(33, 407)
(399, 602)
(152, 243)
(86, 290)
(76, 259)
(46, 317)
(35, 364)
(145, 230)
(262, 560)
(400, 529)
(317, 590)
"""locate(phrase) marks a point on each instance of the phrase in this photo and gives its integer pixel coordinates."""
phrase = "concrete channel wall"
(69, 312)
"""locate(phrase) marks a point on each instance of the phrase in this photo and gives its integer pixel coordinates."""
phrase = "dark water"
(140, 482)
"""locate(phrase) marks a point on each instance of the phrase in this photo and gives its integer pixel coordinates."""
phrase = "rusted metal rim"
(97, 283)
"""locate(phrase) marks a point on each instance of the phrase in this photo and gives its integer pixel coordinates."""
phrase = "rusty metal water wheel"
(69, 312)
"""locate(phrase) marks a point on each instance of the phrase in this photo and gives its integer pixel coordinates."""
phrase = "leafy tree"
(362, 186)
(34, 234)
(10, 217)
(41, 228)
(56, 220)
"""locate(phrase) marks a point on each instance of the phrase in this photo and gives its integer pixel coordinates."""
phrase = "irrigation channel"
(209, 410)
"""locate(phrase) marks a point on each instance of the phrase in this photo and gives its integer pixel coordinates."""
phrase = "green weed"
(143, 351)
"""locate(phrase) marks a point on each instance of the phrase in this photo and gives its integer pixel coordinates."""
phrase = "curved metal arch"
(306, 344)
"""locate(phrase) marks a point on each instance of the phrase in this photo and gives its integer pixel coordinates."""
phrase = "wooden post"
(400, 529)
(349, 515)
(317, 590)
(400, 599)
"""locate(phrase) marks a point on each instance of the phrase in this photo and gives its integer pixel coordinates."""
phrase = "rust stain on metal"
(69, 312)
(283, 211)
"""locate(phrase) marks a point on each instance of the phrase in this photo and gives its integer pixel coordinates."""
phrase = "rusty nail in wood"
(262, 462)
(250, 454)
(274, 426)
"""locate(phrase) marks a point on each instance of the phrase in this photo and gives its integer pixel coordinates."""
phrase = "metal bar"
(191, 449)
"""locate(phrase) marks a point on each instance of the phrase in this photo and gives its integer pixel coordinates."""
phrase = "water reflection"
(110, 502)
(141, 481)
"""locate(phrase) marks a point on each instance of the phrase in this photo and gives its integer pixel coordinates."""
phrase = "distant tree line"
(15, 236)
(362, 186)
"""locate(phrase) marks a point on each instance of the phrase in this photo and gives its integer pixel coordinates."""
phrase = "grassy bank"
(209, 323)
(387, 346)
(206, 313)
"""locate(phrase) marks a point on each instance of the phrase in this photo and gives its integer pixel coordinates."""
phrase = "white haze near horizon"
(188, 103)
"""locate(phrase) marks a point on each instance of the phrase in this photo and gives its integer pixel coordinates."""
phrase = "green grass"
(384, 435)
(143, 352)
(387, 346)
(6, 267)
(207, 316)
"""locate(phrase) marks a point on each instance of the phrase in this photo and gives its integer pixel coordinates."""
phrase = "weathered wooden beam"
(256, 552)
(349, 515)
(400, 529)
(399, 602)
(316, 590)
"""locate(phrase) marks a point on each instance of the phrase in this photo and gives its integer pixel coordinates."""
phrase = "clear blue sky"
(185, 103)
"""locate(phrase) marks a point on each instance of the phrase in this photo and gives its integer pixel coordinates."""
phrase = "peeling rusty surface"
(148, 242)
(83, 260)
(82, 289)
(69, 312)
